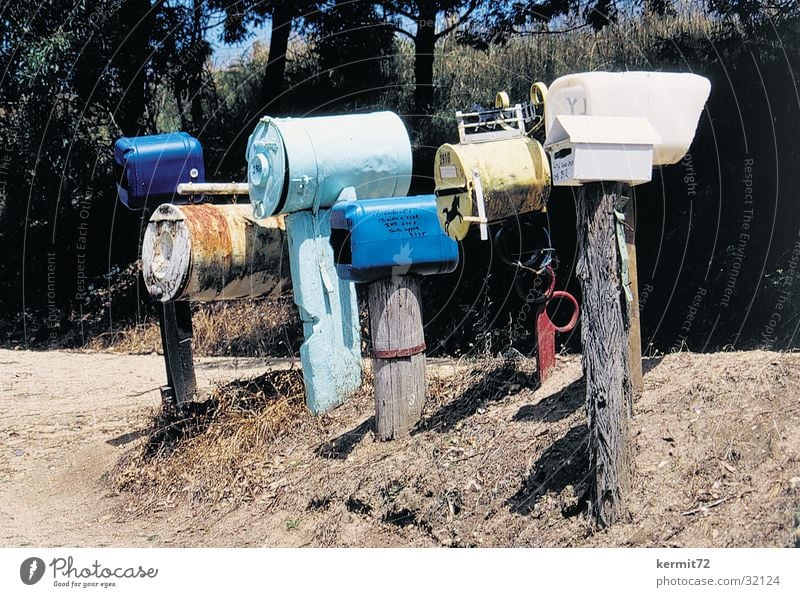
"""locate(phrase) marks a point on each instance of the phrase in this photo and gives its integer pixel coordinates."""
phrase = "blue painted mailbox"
(395, 236)
(150, 168)
(297, 164)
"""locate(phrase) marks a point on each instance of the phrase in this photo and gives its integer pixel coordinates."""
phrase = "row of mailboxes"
(599, 127)
(338, 186)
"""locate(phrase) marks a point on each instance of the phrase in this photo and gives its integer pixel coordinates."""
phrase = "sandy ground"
(66, 418)
(498, 461)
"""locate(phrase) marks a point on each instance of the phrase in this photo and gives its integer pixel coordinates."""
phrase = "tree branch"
(400, 30)
(461, 20)
(397, 10)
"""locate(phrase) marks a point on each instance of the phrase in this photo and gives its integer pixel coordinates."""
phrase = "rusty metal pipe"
(211, 252)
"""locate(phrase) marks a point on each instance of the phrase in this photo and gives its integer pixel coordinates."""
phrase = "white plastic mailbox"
(596, 148)
(671, 102)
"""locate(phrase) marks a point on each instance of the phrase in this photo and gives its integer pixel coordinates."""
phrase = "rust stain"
(212, 251)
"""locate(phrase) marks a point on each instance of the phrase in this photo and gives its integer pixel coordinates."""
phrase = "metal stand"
(546, 332)
(175, 321)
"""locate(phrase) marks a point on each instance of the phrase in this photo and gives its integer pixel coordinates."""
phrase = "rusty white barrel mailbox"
(211, 252)
(297, 164)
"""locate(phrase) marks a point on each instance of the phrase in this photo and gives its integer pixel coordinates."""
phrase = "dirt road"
(66, 418)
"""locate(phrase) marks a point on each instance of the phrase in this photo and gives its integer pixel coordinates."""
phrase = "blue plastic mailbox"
(395, 236)
(150, 168)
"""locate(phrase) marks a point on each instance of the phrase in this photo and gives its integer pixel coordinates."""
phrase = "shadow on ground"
(564, 463)
(496, 384)
(558, 405)
(341, 447)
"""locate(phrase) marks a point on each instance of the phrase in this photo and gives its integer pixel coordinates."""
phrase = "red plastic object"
(546, 332)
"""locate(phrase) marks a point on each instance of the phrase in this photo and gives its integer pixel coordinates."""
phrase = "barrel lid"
(166, 253)
(266, 168)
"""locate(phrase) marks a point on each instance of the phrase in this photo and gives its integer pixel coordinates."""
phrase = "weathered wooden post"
(603, 130)
(389, 244)
(398, 354)
(606, 361)
(635, 331)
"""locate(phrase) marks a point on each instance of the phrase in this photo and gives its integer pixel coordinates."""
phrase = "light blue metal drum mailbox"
(301, 167)
(396, 236)
(297, 164)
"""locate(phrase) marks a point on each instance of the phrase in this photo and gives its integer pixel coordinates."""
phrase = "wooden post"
(605, 332)
(175, 319)
(635, 332)
(398, 348)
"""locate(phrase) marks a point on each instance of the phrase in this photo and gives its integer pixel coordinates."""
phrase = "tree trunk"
(424, 45)
(605, 329)
(273, 81)
(398, 346)
(136, 22)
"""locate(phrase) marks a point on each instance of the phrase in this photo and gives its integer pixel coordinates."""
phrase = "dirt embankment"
(497, 460)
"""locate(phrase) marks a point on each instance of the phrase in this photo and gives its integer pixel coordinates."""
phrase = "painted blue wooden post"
(331, 353)
(301, 167)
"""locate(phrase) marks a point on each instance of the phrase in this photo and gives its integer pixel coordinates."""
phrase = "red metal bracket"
(546, 332)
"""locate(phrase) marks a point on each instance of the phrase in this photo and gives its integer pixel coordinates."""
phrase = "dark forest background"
(718, 234)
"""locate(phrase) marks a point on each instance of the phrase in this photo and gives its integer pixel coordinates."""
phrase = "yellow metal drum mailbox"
(495, 171)
(513, 176)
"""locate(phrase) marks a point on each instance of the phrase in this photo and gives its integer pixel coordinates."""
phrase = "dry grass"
(254, 327)
(220, 450)
(496, 461)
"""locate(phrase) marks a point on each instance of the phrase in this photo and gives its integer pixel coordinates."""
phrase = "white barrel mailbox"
(211, 252)
(621, 106)
(296, 164)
